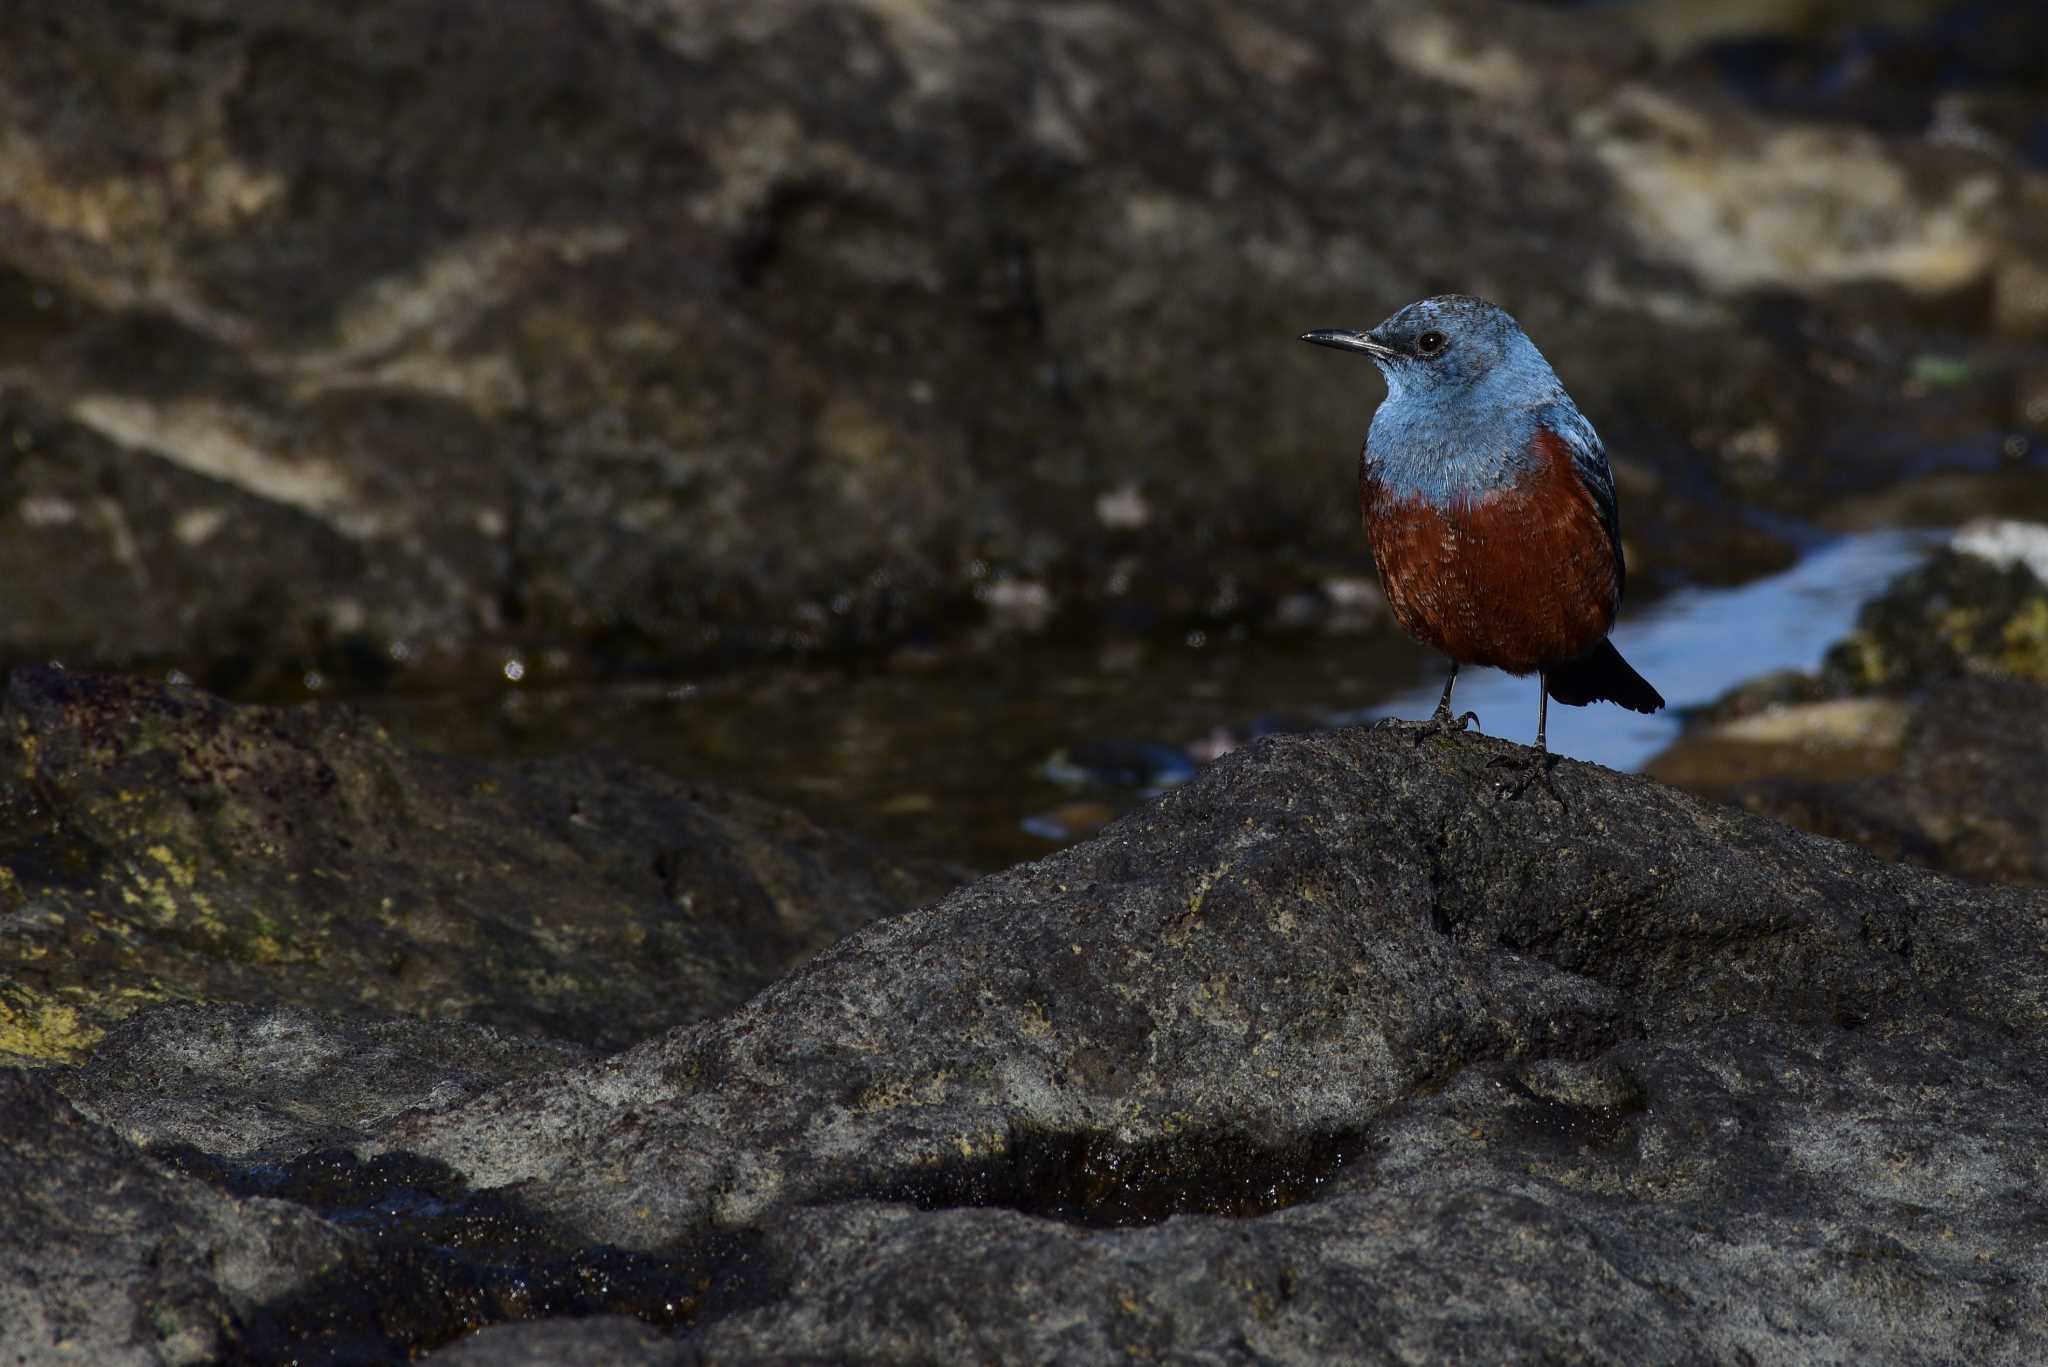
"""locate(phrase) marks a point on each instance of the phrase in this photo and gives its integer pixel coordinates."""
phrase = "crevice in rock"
(1544, 1121)
(444, 1261)
(1095, 1182)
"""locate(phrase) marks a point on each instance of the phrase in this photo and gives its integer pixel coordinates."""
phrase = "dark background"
(870, 401)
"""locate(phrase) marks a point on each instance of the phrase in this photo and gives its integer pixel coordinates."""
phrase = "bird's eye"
(1431, 342)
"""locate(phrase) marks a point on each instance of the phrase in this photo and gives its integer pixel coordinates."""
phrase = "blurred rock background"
(434, 352)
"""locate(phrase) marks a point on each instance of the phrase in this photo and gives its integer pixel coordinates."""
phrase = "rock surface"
(686, 352)
(106, 1257)
(1968, 792)
(247, 1083)
(1332, 1051)
(1960, 614)
(158, 844)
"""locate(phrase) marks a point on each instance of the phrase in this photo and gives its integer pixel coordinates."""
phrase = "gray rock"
(105, 1257)
(158, 844)
(246, 1083)
(549, 1343)
(690, 352)
(1334, 1053)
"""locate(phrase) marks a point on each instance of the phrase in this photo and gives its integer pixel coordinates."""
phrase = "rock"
(1332, 1052)
(1960, 613)
(158, 844)
(105, 1257)
(547, 1343)
(1827, 741)
(1967, 793)
(688, 355)
(246, 1083)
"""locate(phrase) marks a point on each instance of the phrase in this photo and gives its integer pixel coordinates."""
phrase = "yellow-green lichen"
(38, 1026)
(2025, 640)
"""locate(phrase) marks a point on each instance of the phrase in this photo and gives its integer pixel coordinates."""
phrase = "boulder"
(157, 844)
(1337, 1052)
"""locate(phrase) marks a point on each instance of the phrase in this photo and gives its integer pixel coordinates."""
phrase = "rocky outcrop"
(107, 1257)
(1332, 1052)
(1419, 1071)
(686, 352)
(160, 845)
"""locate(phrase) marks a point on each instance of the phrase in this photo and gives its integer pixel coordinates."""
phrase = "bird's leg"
(1441, 720)
(1536, 768)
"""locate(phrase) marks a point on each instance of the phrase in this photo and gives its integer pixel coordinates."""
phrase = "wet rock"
(1333, 1052)
(106, 1257)
(441, 1262)
(158, 844)
(688, 354)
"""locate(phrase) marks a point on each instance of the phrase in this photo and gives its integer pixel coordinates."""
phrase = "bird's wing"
(1589, 463)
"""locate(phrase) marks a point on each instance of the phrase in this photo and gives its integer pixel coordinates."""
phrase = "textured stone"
(158, 844)
(245, 1083)
(1333, 1052)
(105, 1257)
(1330, 1053)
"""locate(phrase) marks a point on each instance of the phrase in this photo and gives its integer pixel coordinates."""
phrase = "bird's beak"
(1346, 340)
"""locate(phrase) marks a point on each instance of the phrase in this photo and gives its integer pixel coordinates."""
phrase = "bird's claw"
(1442, 721)
(1532, 771)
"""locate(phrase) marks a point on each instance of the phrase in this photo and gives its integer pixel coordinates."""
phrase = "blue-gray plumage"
(1491, 507)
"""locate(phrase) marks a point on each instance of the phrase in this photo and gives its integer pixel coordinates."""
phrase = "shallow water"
(988, 756)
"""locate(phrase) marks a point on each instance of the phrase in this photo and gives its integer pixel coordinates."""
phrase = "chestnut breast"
(1519, 578)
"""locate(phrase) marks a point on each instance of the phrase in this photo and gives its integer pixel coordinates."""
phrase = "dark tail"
(1602, 675)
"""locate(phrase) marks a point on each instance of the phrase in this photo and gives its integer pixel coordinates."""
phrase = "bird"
(1489, 503)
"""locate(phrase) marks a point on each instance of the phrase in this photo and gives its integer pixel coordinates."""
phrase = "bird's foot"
(1442, 722)
(1528, 770)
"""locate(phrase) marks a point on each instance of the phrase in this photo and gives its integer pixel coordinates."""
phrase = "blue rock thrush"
(1490, 506)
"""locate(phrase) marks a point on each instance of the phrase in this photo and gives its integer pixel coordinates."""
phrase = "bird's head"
(1448, 347)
